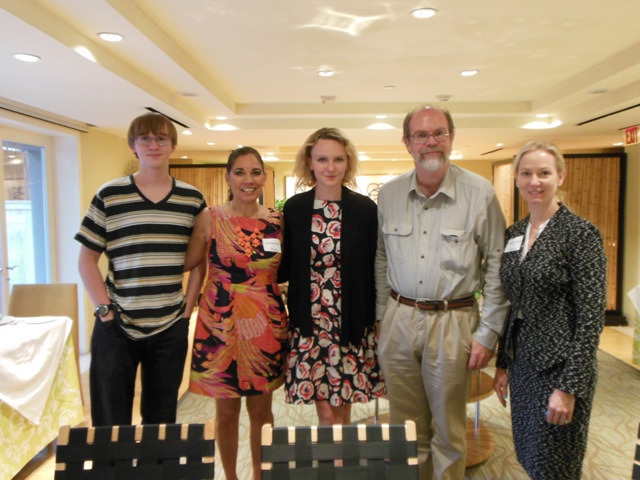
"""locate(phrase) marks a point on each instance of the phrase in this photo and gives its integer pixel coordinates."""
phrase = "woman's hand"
(561, 405)
(501, 385)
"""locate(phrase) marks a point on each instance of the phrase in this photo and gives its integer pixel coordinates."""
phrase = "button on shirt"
(444, 247)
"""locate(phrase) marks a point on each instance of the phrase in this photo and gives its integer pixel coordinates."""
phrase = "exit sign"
(631, 135)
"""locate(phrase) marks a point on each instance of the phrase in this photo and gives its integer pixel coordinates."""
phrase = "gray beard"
(432, 164)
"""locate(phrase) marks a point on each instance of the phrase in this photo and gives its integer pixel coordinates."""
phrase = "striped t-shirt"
(145, 244)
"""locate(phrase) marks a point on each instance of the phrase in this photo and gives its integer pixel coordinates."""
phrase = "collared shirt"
(446, 246)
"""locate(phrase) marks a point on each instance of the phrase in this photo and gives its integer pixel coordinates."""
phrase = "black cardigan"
(358, 250)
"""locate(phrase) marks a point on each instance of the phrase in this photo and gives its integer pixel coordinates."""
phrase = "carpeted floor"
(612, 436)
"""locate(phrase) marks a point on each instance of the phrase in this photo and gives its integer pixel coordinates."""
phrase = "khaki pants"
(424, 358)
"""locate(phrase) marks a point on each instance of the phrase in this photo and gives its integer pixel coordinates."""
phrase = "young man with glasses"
(142, 223)
(441, 235)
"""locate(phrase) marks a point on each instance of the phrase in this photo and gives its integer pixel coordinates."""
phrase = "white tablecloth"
(30, 352)
(53, 382)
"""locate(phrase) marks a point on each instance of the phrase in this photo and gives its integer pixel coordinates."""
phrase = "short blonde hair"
(301, 170)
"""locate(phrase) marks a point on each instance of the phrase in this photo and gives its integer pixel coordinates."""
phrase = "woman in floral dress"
(330, 237)
(239, 347)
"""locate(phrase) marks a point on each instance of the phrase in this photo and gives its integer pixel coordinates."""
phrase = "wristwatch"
(103, 310)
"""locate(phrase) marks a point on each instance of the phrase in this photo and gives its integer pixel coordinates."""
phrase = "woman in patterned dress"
(240, 340)
(554, 272)
(330, 238)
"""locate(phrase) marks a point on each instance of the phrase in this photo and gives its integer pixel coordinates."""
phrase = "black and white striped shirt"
(145, 244)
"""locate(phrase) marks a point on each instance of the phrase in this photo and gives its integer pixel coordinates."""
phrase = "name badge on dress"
(271, 245)
(514, 244)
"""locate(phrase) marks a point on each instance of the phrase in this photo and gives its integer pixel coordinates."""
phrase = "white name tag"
(271, 245)
(514, 244)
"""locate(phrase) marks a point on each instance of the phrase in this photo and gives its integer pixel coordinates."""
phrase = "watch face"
(102, 310)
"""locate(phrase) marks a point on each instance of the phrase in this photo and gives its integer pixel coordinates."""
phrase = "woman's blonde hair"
(545, 146)
(305, 175)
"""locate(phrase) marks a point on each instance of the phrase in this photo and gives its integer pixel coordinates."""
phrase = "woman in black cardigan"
(330, 236)
(554, 272)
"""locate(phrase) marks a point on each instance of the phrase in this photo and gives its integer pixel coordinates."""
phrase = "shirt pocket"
(458, 250)
(397, 237)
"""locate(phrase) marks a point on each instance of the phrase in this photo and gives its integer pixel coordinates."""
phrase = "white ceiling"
(256, 62)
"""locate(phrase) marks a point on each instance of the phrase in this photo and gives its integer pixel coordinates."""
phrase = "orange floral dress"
(240, 341)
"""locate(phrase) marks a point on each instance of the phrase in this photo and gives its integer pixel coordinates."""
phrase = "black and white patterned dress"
(558, 297)
(320, 368)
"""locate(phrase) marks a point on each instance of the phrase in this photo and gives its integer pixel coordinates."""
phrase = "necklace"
(249, 242)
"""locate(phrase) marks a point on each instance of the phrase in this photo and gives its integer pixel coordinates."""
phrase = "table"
(480, 441)
(20, 438)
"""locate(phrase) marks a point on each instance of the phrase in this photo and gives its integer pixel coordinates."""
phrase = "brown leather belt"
(435, 305)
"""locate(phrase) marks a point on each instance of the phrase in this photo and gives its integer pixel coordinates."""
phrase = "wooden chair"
(136, 452)
(41, 299)
(635, 475)
(354, 452)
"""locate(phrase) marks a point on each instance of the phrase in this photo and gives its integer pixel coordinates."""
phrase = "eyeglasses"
(423, 137)
(147, 140)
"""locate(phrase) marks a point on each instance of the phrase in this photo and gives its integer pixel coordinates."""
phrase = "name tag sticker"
(514, 244)
(271, 245)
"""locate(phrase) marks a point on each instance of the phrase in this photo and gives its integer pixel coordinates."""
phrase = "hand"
(561, 405)
(501, 385)
(480, 356)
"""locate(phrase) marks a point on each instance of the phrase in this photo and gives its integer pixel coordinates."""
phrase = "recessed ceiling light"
(423, 12)
(380, 126)
(187, 132)
(220, 117)
(26, 57)
(542, 115)
(381, 116)
(542, 124)
(325, 72)
(618, 144)
(110, 37)
(389, 87)
(455, 156)
(499, 144)
(220, 127)
(211, 143)
(469, 73)
(363, 156)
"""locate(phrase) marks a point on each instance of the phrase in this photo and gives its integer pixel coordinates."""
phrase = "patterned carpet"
(612, 437)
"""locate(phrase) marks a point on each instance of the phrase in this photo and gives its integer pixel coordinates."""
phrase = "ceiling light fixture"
(26, 57)
(326, 72)
(220, 127)
(187, 132)
(423, 12)
(211, 143)
(455, 156)
(469, 73)
(380, 126)
(381, 116)
(110, 37)
(542, 124)
(220, 117)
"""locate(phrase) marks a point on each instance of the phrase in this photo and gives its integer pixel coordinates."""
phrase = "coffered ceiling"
(256, 62)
